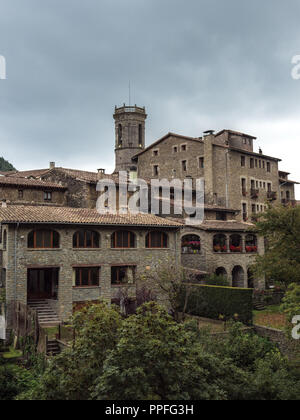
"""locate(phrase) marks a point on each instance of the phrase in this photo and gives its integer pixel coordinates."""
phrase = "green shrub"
(215, 280)
(213, 301)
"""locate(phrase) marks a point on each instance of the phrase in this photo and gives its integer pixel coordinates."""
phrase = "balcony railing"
(254, 193)
(272, 195)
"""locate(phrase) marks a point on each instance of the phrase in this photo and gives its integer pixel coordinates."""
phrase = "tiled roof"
(226, 225)
(36, 173)
(237, 133)
(287, 181)
(76, 173)
(29, 183)
(219, 225)
(67, 215)
(199, 140)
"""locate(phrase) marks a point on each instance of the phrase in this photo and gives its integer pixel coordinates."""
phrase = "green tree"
(5, 166)
(70, 375)
(281, 228)
(157, 358)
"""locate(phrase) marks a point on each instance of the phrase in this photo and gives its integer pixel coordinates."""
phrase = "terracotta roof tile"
(29, 183)
(67, 215)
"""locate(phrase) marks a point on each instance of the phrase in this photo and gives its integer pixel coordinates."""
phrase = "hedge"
(213, 301)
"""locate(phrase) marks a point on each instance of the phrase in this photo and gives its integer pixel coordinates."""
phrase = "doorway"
(42, 283)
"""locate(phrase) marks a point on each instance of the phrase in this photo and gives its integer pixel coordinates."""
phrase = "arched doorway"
(250, 277)
(221, 272)
(238, 276)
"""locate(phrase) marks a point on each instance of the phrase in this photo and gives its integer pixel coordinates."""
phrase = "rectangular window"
(183, 147)
(268, 167)
(155, 170)
(220, 215)
(122, 275)
(264, 164)
(155, 152)
(251, 163)
(87, 276)
(47, 196)
(201, 162)
(253, 208)
(175, 149)
(260, 163)
(184, 165)
(256, 163)
(243, 161)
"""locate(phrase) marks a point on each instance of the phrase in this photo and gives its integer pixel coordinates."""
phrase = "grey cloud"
(194, 64)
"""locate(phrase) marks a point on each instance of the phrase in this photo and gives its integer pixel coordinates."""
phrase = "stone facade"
(235, 177)
(23, 194)
(129, 134)
(236, 266)
(18, 259)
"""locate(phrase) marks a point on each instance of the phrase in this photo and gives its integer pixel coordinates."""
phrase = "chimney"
(101, 171)
(4, 204)
(52, 165)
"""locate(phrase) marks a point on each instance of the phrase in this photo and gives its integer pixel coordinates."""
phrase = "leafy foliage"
(150, 356)
(281, 262)
(5, 166)
(215, 280)
(215, 301)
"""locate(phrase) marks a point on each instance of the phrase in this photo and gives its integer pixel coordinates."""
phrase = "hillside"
(6, 166)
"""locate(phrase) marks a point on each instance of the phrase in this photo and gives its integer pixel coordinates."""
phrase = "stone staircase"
(52, 348)
(47, 317)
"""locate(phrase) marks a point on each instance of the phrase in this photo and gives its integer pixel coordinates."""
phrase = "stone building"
(234, 175)
(66, 255)
(25, 191)
(62, 256)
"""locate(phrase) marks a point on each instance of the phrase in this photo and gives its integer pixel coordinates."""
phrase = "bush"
(213, 301)
(215, 280)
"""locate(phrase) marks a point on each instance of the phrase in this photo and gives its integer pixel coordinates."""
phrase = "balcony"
(288, 202)
(272, 195)
(244, 192)
(254, 193)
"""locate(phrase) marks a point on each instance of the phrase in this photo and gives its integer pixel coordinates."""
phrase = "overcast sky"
(194, 64)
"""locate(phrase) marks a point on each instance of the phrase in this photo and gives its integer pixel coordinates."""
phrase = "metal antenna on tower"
(129, 94)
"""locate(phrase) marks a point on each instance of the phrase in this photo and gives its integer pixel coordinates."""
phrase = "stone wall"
(31, 196)
(288, 347)
(210, 261)
(17, 258)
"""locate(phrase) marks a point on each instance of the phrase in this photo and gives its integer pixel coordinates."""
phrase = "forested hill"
(6, 166)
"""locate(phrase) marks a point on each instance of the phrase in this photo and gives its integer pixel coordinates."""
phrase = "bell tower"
(130, 135)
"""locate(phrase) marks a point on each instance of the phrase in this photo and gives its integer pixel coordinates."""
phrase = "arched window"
(251, 243)
(123, 239)
(140, 135)
(191, 244)
(86, 239)
(157, 240)
(236, 243)
(120, 135)
(220, 243)
(43, 239)
(221, 272)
